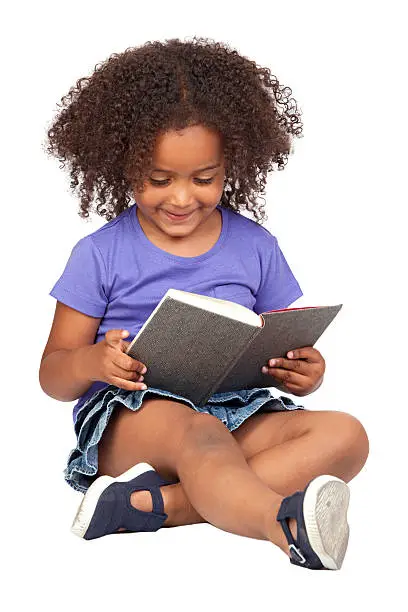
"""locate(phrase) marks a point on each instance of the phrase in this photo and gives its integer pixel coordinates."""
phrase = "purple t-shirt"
(118, 274)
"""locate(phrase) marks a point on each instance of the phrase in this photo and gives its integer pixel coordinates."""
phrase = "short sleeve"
(83, 283)
(279, 287)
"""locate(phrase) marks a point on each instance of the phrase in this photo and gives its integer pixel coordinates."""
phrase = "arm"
(63, 374)
(63, 371)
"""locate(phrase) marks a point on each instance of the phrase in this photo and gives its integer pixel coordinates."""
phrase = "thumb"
(114, 336)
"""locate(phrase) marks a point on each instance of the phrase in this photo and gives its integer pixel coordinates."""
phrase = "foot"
(106, 507)
(322, 531)
(141, 500)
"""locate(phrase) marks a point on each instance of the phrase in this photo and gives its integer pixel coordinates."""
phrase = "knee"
(350, 439)
(205, 439)
(205, 430)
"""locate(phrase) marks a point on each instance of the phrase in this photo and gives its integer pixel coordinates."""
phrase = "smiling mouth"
(178, 217)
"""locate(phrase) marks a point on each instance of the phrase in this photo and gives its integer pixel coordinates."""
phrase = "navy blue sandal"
(106, 505)
(322, 529)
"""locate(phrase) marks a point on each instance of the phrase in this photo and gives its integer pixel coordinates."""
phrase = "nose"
(182, 200)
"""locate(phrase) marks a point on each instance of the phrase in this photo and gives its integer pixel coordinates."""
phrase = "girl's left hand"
(301, 373)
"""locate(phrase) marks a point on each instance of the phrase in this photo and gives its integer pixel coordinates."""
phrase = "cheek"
(209, 196)
(152, 196)
(149, 196)
(212, 193)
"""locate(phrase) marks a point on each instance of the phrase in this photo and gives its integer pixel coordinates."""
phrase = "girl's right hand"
(108, 362)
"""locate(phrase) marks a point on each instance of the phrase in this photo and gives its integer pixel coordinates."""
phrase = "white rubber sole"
(87, 507)
(325, 508)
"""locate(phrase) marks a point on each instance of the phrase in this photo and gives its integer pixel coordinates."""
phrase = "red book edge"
(300, 308)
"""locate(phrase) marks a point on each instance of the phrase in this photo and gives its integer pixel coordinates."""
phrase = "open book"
(194, 345)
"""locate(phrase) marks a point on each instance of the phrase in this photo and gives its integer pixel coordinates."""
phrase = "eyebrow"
(198, 169)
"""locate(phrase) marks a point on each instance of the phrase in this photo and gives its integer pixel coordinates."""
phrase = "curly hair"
(108, 124)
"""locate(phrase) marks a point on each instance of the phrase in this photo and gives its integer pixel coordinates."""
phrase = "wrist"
(82, 364)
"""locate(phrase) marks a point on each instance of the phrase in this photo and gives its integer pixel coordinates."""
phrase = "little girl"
(190, 131)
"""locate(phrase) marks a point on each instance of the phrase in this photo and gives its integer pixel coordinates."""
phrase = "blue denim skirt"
(232, 408)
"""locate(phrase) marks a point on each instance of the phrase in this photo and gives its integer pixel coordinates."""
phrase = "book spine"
(225, 373)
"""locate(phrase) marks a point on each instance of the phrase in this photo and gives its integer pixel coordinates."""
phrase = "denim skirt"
(232, 408)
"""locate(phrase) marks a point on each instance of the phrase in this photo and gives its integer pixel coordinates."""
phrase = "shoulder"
(108, 236)
(257, 235)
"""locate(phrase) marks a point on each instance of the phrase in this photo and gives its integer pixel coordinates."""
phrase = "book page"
(222, 307)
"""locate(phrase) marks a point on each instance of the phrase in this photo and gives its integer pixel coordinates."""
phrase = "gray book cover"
(195, 353)
(283, 331)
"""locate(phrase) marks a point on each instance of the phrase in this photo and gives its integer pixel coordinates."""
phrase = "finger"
(288, 377)
(129, 385)
(128, 365)
(125, 373)
(296, 365)
(125, 346)
(125, 362)
(135, 364)
(307, 352)
(114, 336)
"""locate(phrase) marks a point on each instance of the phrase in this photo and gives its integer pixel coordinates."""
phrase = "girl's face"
(186, 178)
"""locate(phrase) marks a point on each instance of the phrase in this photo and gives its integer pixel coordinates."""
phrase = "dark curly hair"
(110, 121)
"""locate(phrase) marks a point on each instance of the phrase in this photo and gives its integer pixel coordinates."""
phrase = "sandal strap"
(146, 521)
(154, 521)
(140, 520)
(289, 509)
(157, 498)
(152, 481)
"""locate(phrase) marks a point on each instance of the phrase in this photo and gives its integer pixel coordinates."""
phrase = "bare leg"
(285, 468)
(222, 487)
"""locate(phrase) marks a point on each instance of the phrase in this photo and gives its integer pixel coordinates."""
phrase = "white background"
(337, 210)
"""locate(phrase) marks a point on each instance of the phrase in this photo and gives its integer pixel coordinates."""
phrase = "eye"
(199, 181)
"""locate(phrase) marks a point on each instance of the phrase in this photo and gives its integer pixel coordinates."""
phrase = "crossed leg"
(284, 449)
